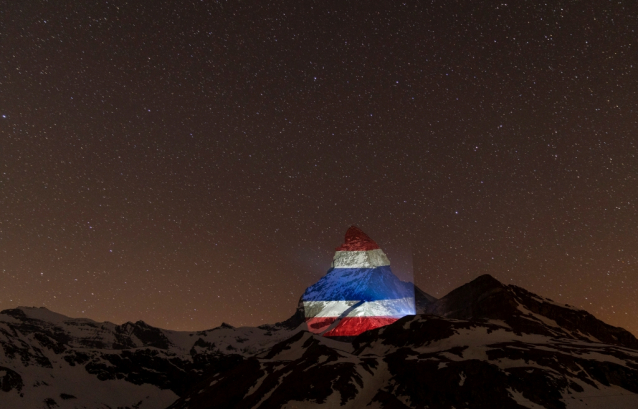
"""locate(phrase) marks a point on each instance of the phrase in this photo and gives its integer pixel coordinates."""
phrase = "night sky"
(188, 163)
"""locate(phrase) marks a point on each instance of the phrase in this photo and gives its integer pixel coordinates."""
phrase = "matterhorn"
(359, 292)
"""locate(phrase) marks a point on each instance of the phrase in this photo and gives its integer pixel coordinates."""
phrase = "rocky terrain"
(48, 360)
(484, 345)
(384, 344)
(490, 346)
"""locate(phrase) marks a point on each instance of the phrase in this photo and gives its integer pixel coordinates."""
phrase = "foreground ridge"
(505, 348)
(49, 360)
(483, 345)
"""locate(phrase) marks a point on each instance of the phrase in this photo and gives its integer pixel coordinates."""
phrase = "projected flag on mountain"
(359, 292)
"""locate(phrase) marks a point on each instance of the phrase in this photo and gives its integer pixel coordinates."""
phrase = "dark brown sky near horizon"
(188, 163)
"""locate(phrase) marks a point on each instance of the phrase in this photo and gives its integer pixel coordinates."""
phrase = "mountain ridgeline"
(379, 342)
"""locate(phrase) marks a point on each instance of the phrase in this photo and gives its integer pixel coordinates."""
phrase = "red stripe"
(319, 324)
(357, 240)
(351, 326)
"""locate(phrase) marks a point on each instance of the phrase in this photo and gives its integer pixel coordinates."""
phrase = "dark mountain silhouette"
(484, 345)
(526, 312)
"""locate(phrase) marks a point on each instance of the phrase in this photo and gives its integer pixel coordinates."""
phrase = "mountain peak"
(359, 292)
(357, 240)
(486, 298)
(483, 282)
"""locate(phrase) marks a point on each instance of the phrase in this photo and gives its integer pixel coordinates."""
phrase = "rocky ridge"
(484, 345)
(49, 360)
(490, 345)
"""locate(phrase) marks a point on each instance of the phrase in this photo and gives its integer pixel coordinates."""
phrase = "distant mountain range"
(48, 360)
(484, 345)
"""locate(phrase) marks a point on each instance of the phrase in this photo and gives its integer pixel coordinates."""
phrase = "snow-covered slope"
(484, 345)
(428, 361)
(49, 360)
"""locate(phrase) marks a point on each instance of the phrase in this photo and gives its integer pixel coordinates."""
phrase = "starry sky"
(187, 163)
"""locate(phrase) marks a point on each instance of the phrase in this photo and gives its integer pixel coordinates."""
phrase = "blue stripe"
(359, 284)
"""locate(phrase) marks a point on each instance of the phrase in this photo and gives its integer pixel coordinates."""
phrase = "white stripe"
(326, 308)
(360, 259)
(397, 307)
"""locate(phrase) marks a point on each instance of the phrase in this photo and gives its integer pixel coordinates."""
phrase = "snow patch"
(522, 400)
